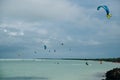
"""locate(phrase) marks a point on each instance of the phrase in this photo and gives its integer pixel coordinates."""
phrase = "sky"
(69, 29)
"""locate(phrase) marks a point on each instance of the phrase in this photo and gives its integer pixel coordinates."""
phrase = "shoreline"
(115, 60)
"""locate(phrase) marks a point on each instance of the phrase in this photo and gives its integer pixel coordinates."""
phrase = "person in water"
(101, 62)
(86, 63)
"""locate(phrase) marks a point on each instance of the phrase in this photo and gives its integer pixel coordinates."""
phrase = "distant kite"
(62, 43)
(19, 55)
(54, 50)
(49, 50)
(45, 47)
(108, 15)
(35, 52)
(69, 49)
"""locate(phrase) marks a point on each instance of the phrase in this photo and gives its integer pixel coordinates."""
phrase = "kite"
(62, 43)
(54, 50)
(108, 15)
(45, 47)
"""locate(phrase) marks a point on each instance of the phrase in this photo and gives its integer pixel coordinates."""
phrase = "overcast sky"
(69, 29)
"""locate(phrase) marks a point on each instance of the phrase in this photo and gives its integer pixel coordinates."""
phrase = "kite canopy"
(108, 15)
(45, 47)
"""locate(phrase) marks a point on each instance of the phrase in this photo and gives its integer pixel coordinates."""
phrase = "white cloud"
(21, 33)
(12, 29)
(41, 9)
(69, 38)
(89, 42)
(3, 25)
(20, 25)
(42, 31)
(5, 30)
(12, 33)
(15, 33)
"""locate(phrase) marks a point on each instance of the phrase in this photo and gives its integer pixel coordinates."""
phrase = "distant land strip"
(95, 59)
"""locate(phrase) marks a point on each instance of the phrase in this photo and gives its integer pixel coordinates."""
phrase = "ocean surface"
(45, 69)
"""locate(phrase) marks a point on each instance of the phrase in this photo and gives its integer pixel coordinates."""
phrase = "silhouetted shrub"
(113, 74)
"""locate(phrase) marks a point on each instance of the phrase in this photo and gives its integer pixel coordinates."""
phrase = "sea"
(53, 69)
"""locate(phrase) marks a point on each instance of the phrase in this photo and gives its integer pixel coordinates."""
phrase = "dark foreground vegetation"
(113, 74)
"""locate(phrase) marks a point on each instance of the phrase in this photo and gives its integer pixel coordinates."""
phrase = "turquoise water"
(42, 69)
